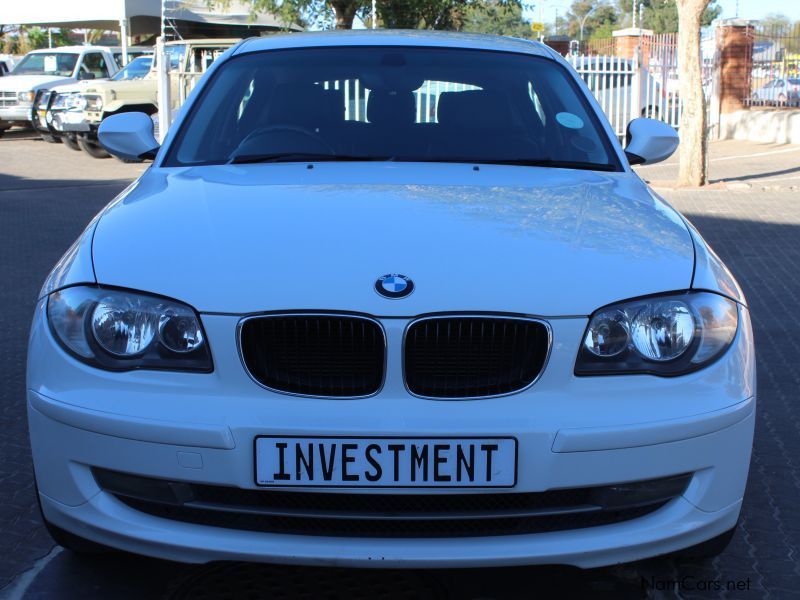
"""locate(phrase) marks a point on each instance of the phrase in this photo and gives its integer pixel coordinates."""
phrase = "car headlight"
(123, 330)
(662, 335)
(93, 103)
(59, 101)
(26, 97)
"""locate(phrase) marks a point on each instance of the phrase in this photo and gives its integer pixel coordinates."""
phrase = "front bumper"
(75, 122)
(572, 432)
(19, 113)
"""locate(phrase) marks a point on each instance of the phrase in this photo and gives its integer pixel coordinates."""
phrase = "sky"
(748, 9)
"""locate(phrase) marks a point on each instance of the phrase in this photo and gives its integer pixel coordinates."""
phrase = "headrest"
(297, 104)
(391, 108)
(474, 109)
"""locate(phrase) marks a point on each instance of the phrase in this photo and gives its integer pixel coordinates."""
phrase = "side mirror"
(86, 75)
(128, 135)
(649, 141)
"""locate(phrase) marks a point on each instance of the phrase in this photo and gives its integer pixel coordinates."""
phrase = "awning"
(143, 16)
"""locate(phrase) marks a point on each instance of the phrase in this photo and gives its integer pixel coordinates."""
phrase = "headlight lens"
(60, 101)
(93, 103)
(26, 97)
(122, 330)
(667, 335)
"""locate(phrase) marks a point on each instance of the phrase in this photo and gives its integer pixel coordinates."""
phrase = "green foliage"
(395, 14)
(500, 18)
(601, 18)
(662, 15)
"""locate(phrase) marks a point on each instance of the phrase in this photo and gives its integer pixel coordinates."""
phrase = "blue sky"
(748, 9)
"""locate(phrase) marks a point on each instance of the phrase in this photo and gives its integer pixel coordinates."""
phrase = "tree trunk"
(345, 12)
(693, 147)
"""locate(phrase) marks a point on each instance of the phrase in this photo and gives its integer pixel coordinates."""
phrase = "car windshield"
(47, 63)
(136, 69)
(393, 103)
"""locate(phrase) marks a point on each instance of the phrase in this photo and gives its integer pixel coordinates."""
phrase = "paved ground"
(740, 166)
(47, 195)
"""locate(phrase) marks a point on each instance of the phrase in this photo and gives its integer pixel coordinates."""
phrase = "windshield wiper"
(522, 162)
(279, 157)
(558, 164)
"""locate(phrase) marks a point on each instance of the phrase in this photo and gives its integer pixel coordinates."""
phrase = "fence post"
(636, 82)
(626, 41)
(164, 100)
(735, 51)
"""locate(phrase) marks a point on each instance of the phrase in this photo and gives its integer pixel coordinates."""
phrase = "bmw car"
(391, 299)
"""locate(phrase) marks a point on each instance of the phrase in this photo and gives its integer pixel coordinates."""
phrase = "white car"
(44, 69)
(379, 341)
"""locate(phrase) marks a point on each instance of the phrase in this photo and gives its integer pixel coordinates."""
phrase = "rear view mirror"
(86, 75)
(649, 141)
(128, 135)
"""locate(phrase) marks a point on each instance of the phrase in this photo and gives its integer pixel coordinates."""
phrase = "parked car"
(311, 336)
(782, 91)
(47, 68)
(135, 90)
(53, 109)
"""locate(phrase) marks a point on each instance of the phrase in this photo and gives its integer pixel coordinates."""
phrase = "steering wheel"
(270, 129)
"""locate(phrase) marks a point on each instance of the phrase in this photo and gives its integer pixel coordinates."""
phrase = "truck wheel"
(93, 149)
(71, 143)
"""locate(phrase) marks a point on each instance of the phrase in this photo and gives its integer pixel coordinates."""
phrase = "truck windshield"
(47, 63)
(414, 104)
(136, 69)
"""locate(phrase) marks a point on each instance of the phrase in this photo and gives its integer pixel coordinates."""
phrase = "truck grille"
(473, 356)
(391, 514)
(8, 99)
(315, 354)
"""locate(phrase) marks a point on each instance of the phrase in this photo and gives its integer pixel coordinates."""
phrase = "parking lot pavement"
(739, 166)
(48, 194)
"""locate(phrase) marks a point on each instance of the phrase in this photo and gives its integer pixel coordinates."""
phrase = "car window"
(176, 54)
(136, 69)
(94, 63)
(47, 63)
(393, 103)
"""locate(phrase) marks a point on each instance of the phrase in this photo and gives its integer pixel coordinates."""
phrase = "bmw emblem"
(394, 285)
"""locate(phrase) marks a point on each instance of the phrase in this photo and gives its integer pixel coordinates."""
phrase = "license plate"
(385, 462)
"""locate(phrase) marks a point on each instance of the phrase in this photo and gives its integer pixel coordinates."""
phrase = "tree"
(499, 18)
(662, 15)
(598, 18)
(393, 14)
(317, 12)
(423, 14)
(693, 146)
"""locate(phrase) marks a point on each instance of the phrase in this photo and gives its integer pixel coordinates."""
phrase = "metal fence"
(645, 85)
(775, 74)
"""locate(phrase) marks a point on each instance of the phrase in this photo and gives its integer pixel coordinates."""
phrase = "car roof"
(205, 42)
(69, 49)
(392, 37)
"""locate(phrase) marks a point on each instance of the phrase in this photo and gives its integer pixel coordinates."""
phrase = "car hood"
(73, 86)
(26, 83)
(249, 238)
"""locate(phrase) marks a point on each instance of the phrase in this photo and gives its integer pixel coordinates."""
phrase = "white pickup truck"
(47, 68)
